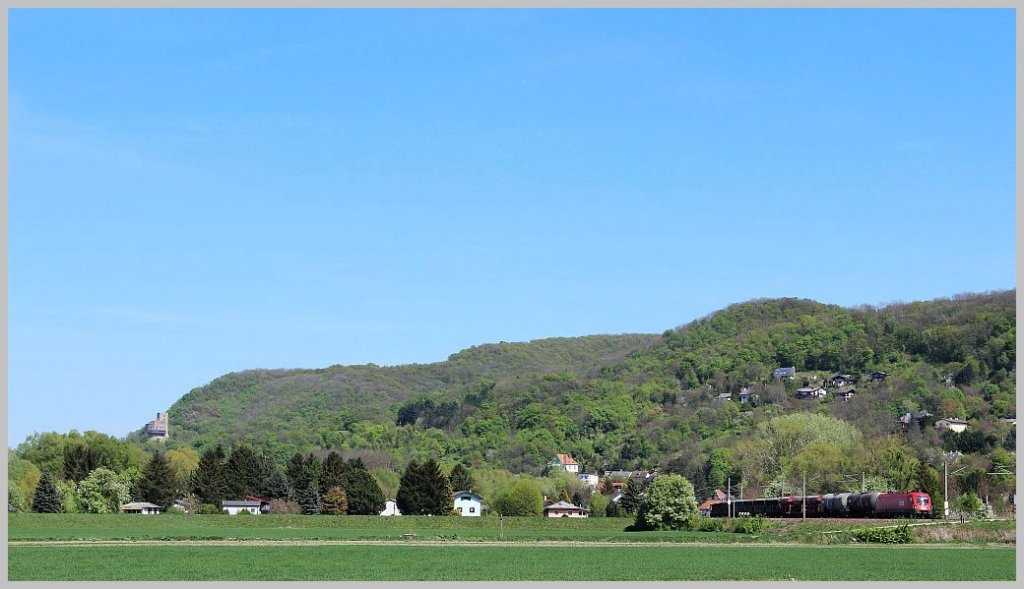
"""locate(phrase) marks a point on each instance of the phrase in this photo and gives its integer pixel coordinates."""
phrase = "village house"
(468, 503)
(816, 392)
(747, 397)
(141, 507)
(724, 397)
(845, 393)
(563, 509)
(878, 376)
(839, 380)
(590, 479)
(236, 507)
(565, 462)
(952, 424)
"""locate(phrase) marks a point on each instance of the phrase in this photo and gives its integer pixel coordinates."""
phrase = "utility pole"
(728, 497)
(863, 488)
(804, 507)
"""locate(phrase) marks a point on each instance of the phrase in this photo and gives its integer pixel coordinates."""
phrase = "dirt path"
(253, 543)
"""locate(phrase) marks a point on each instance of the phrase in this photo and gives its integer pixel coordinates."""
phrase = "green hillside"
(640, 401)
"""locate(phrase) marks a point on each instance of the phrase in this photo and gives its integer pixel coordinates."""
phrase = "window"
(472, 510)
(459, 508)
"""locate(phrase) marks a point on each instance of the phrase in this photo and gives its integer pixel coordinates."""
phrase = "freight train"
(913, 504)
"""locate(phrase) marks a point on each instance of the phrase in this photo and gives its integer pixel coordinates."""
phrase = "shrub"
(897, 535)
(209, 509)
(283, 506)
(711, 524)
(750, 525)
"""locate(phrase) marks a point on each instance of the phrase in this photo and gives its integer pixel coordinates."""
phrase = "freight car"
(913, 504)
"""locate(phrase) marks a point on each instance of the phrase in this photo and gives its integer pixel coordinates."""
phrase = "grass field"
(508, 563)
(109, 547)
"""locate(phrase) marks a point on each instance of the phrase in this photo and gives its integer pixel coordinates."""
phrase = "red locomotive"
(912, 504)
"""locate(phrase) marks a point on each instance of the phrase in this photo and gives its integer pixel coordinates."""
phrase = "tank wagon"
(859, 505)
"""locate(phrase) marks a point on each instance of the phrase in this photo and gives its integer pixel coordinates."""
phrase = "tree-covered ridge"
(302, 409)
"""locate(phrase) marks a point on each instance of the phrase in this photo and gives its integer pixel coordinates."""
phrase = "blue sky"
(195, 192)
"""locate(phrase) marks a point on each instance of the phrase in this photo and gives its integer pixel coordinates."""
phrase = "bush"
(209, 509)
(897, 535)
(750, 525)
(711, 524)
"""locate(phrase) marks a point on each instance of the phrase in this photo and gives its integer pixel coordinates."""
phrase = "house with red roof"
(565, 462)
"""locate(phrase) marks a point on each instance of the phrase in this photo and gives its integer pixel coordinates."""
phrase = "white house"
(236, 507)
(141, 507)
(565, 462)
(468, 503)
(563, 509)
(391, 508)
(950, 423)
(590, 479)
(816, 392)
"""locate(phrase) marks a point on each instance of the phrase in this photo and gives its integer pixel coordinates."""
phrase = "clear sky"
(195, 192)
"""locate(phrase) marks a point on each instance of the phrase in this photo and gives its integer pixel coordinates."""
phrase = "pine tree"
(363, 493)
(273, 484)
(632, 496)
(242, 472)
(333, 472)
(47, 497)
(460, 479)
(411, 497)
(207, 482)
(334, 502)
(158, 482)
(309, 498)
(424, 490)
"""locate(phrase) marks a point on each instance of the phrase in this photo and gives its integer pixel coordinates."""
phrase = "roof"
(954, 420)
(467, 494)
(563, 505)
(230, 503)
(565, 459)
(140, 505)
(784, 370)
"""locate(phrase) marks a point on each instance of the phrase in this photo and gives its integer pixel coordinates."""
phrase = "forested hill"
(303, 409)
(640, 400)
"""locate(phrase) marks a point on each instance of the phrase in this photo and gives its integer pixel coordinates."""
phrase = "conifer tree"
(309, 498)
(460, 479)
(47, 497)
(363, 493)
(207, 482)
(242, 472)
(333, 471)
(158, 482)
(424, 490)
(273, 483)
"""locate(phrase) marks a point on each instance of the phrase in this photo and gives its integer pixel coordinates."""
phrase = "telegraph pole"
(728, 497)
(804, 507)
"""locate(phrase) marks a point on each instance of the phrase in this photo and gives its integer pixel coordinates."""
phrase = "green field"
(109, 547)
(507, 563)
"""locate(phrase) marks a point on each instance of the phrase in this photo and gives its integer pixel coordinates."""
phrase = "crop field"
(108, 547)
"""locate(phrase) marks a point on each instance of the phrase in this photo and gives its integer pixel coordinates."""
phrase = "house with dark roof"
(142, 507)
(839, 380)
(844, 393)
(912, 416)
(468, 503)
(234, 507)
(878, 376)
(806, 392)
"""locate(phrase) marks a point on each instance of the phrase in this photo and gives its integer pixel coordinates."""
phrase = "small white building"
(590, 479)
(391, 508)
(468, 503)
(563, 509)
(141, 507)
(950, 423)
(815, 392)
(236, 507)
